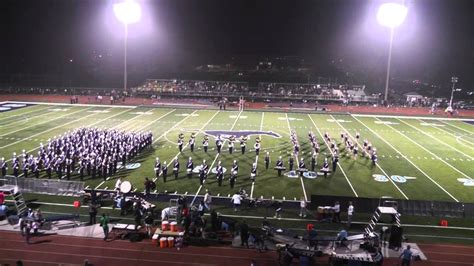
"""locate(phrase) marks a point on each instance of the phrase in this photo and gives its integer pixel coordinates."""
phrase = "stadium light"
(127, 12)
(391, 15)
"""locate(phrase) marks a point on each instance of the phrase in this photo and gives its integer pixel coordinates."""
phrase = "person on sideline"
(350, 212)
(104, 223)
(406, 256)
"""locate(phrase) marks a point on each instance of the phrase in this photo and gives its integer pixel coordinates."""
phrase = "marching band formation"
(91, 151)
(99, 153)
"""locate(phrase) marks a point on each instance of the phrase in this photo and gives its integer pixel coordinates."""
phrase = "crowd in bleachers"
(264, 90)
(190, 87)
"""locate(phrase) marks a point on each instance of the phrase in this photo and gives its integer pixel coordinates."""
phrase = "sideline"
(261, 217)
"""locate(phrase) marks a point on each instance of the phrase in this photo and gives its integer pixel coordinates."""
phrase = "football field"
(418, 158)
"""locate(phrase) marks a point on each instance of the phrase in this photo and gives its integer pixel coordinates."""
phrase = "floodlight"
(128, 12)
(391, 15)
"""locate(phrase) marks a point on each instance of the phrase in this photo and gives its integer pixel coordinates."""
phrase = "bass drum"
(126, 187)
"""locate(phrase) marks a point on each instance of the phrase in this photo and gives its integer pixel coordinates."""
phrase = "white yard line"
(377, 164)
(297, 161)
(23, 114)
(61, 125)
(78, 104)
(215, 158)
(329, 148)
(459, 137)
(256, 156)
(155, 120)
(425, 149)
(187, 144)
(43, 122)
(440, 141)
(25, 119)
(406, 158)
(460, 128)
(414, 117)
(174, 126)
(100, 184)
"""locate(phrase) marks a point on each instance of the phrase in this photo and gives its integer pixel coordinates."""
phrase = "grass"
(435, 152)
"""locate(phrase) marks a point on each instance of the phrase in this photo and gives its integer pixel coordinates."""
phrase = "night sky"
(44, 36)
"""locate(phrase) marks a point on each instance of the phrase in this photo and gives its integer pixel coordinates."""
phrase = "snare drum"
(189, 170)
(252, 175)
(125, 187)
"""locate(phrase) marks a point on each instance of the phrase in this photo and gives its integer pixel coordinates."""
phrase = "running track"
(55, 249)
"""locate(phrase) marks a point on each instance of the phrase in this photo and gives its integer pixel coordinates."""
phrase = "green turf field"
(436, 155)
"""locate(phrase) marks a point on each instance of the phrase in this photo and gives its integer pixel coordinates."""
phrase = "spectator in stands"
(104, 223)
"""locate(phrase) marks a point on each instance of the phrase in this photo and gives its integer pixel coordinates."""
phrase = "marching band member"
(291, 162)
(219, 144)
(279, 165)
(374, 157)
(164, 171)
(180, 144)
(325, 168)
(118, 183)
(25, 167)
(157, 167)
(190, 167)
(267, 160)
(231, 144)
(203, 172)
(253, 172)
(355, 151)
(257, 147)
(233, 174)
(176, 168)
(335, 159)
(192, 140)
(313, 161)
(219, 173)
(3, 167)
(205, 143)
(243, 143)
(35, 168)
(302, 167)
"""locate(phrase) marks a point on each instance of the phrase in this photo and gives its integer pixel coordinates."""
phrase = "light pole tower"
(454, 80)
(127, 12)
(390, 15)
